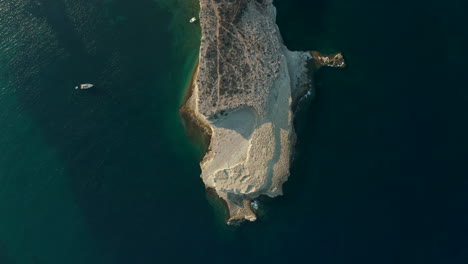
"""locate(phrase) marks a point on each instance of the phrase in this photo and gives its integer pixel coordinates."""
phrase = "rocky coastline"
(243, 92)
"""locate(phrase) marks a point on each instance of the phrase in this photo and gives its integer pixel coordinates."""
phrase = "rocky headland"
(243, 93)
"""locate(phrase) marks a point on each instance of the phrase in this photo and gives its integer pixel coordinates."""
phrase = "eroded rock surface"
(246, 83)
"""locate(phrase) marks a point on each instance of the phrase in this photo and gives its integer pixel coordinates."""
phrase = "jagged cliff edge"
(244, 88)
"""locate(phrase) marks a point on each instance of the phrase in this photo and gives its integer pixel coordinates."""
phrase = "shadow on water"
(372, 182)
(376, 160)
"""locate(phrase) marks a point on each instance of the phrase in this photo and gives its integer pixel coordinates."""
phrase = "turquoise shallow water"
(109, 176)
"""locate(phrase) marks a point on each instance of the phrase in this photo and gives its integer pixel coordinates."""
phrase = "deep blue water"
(109, 176)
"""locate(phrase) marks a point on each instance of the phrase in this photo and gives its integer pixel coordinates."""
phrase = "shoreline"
(240, 111)
(197, 131)
(200, 134)
(188, 91)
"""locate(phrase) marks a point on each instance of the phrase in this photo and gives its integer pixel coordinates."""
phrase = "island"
(243, 94)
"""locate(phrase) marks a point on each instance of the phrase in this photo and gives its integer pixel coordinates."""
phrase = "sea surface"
(109, 176)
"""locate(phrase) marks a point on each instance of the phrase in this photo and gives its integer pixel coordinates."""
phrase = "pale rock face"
(246, 83)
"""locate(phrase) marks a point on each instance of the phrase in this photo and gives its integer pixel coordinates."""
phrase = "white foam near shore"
(250, 154)
(247, 82)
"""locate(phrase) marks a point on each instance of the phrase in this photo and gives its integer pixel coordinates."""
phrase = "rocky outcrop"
(246, 83)
(334, 60)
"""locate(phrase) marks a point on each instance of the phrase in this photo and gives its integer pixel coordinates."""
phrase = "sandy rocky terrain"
(246, 84)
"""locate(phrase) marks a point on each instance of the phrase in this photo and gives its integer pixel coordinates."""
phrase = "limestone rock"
(246, 84)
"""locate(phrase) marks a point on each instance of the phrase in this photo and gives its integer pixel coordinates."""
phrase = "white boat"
(84, 86)
(193, 19)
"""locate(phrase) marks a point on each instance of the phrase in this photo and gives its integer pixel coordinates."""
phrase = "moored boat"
(84, 86)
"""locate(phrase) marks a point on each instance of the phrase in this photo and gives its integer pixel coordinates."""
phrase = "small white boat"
(84, 86)
(193, 19)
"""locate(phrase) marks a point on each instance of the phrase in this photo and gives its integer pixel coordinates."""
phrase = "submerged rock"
(245, 86)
